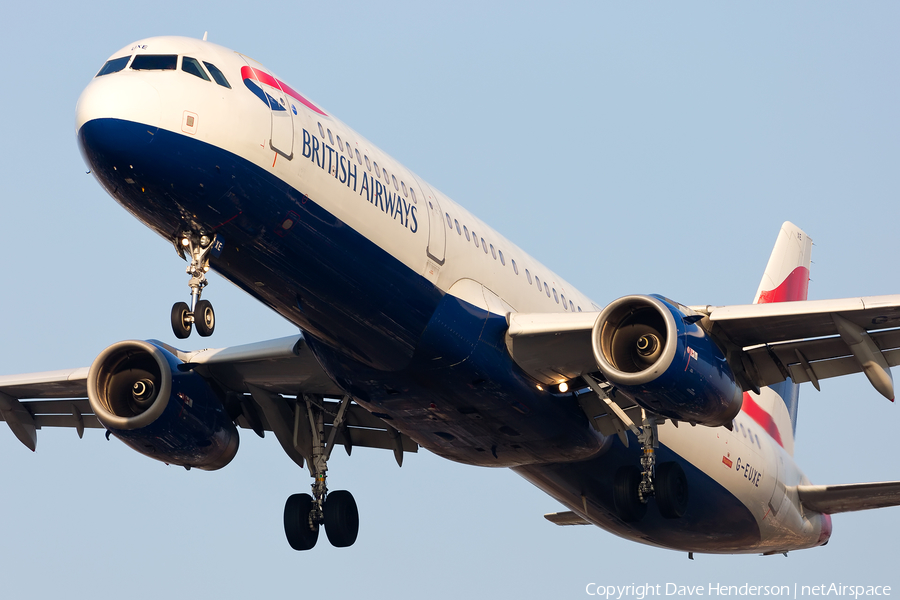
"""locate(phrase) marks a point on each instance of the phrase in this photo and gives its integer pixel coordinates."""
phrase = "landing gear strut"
(196, 248)
(336, 511)
(666, 481)
(633, 487)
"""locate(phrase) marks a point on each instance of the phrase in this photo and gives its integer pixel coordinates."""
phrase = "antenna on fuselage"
(204, 35)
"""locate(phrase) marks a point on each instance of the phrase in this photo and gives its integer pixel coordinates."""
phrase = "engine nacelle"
(653, 351)
(140, 395)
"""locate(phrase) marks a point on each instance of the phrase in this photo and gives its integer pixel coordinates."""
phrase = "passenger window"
(515, 268)
(192, 66)
(547, 289)
(565, 306)
(368, 164)
(403, 185)
(502, 261)
(397, 187)
(555, 297)
(579, 309)
(384, 172)
(449, 220)
(113, 66)
(528, 275)
(466, 231)
(493, 252)
(330, 139)
(358, 159)
(217, 75)
(413, 192)
(484, 245)
(458, 230)
(572, 306)
(321, 131)
(154, 62)
(340, 144)
(537, 282)
(475, 238)
(377, 170)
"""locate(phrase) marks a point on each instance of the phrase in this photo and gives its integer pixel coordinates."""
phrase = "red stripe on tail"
(794, 287)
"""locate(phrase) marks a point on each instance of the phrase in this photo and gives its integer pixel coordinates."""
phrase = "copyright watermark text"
(643, 591)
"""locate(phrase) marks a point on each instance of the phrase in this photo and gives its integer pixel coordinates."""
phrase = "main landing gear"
(336, 511)
(666, 481)
(196, 248)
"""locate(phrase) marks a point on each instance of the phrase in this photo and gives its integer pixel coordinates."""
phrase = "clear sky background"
(633, 148)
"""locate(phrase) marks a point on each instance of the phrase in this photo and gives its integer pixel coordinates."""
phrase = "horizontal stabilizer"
(831, 499)
(566, 518)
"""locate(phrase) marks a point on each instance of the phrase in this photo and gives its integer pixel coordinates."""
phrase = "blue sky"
(633, 148)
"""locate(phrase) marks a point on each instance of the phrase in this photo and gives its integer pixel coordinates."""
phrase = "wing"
(813, 340)
(264, 384)
(764, 343)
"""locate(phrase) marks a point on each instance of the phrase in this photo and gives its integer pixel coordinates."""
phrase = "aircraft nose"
(122, 96)
(106, 105)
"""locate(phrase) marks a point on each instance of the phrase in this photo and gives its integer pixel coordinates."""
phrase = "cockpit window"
(217, 74)
(192, 66)
(154, 62)
(114, 66)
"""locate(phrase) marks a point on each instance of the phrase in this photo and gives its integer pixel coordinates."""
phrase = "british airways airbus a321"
(419, 325)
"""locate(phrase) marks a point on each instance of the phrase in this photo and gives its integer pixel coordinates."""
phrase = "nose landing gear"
(196, 248)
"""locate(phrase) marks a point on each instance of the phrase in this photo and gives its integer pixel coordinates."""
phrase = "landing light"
(185, 242)
(563, 387)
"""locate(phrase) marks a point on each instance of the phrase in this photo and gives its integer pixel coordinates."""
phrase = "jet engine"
(141, 395)
(655, 353)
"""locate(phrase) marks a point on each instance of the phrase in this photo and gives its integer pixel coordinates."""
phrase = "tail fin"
(787, 275)
(786, 279)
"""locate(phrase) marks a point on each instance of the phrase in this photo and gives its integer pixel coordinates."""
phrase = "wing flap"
(827, 357)
(72, 421)
(831, 499)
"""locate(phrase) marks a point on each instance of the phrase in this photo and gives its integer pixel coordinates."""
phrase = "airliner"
(419, 326)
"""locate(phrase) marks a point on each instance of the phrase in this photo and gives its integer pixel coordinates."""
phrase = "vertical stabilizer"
(787, 275)
(786, 279)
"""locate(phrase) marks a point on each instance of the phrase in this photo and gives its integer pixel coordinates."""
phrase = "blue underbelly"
(321, 275)
(715, 520)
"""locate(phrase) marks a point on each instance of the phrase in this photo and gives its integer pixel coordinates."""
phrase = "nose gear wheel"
(196, 248)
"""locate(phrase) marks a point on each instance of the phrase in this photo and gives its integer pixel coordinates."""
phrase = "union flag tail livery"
(786, 279)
